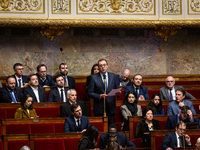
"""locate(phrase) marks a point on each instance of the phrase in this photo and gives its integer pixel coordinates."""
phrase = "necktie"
(13, 97)
(137, 92)
(19, 80)
(78, 122)
(62, 99)
(180, 141)
(78, 127)
(171, 97)
(104, 77)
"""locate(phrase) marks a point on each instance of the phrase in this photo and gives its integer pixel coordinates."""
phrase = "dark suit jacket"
(170, 140)
(5, 96)
(54, 95)
(70, 124)
(24, 80)
(172, 121)
(122, 140)
(71, 82)
(142, 91)
(118, 81)
(97, 87)
(164, 94)
(66, 112)
(42, 94)
(49, 81)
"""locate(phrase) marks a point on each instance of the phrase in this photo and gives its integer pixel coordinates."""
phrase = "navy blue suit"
(70, 124)
(97, 87)
(42, 94)
(24, 80)
(71, 82)
(142, 91)
(5, 96)
(122, 140)
(172, 121)
(170, 140)
(54, 95)
(118, 81)
(49, 81)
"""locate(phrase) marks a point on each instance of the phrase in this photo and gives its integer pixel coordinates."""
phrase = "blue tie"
(13, 97)
(19, 82)
(171, 97)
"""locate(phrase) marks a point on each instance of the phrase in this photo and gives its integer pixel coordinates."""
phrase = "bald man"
(168, 92)
(124, 78)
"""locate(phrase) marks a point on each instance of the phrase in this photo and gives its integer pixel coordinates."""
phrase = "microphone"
(61, 49)
(104, 77)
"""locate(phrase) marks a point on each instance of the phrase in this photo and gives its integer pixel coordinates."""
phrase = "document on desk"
(113, 91)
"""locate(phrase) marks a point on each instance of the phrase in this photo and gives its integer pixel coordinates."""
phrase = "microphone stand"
(104, 97)
(61, 50)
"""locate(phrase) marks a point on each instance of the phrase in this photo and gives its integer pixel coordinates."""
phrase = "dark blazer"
(142, 91)
(71, 82)
(49, 81)
(42, 94)
(97, 87)
(122, 140)
(172, 121)
(164, 94)
(173, 107)
(70, 124)
(170, 140)
(66, 112)
(24, 80)
(118, 81)
(54, 95)
(5, 96)
(142, 127)
(85, 144)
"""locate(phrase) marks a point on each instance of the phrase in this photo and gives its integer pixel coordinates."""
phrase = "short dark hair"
(29, 77)
(102, 60)
(39, 66)
(113, 126)
(73, 106)
(9, 78)
(180, 123)
(182, 91)
(136, 75)
(126, 98)
(57, 77)
(16, 65)
(61, 65)
(184, 109)
(146, 109)
(23, 102)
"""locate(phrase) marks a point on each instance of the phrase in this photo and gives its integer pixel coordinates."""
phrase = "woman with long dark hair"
(26, 109)
(156, 104)
(89, 138)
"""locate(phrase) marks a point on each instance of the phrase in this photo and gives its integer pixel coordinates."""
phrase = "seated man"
(58, 94)
(113, 132)
(70, 82)
(72, 99)
(168, 92)
(136, 87)
(174, 107)
(44, 79)
(10, 94)
(38, 94)
(175, 139)
(76, 122)
(124, 78)
(21, 80)
(185, 115)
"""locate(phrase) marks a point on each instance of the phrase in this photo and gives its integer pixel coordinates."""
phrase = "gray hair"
(25, 148)
(69, 91)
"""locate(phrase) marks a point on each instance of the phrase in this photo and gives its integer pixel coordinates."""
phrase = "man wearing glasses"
(168, 92)
(121, 137)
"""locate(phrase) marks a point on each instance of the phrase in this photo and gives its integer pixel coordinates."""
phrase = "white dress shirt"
(106, 78)
(18, 81)
(173, 93)
(64, 97)
(36, 94)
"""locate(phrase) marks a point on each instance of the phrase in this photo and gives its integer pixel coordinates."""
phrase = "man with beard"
(136, 87)
(10, 94)
(70, 82)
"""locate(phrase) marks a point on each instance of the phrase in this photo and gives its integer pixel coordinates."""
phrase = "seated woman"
(156, 104)
(89, 138)
(146, 124)
(26, 109)
(94, 70)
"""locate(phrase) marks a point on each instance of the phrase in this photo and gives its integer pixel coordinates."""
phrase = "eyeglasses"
(103, 65)
(170, 81)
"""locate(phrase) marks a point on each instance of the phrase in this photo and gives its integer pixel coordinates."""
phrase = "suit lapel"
(175, 140)
(167, 93)
(26, 113)
(9, 94)
(57, 93)
(100, 80)
(32, 93)
(74, 123)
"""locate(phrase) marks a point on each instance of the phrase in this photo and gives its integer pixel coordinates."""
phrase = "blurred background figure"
(198, 144)
(112, 144)
(156, 104)
(25, 148)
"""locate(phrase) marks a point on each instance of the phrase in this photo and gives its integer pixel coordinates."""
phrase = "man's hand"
(45, 86)
(181, 104)
(26, 85)
(189, 112)
(83, 130)
(118, 93)
(103, 95)
(187, 138)
(141, 98)
(169, 148)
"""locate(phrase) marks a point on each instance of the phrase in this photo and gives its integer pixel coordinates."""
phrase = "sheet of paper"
(113, 91)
